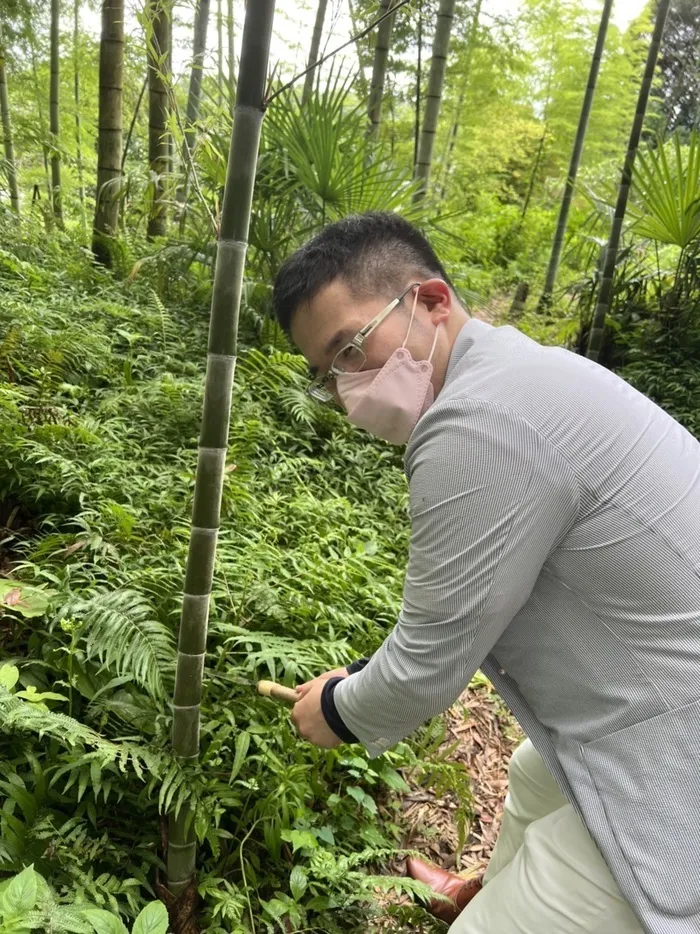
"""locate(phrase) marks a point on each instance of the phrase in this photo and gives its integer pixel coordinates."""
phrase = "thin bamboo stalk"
(433, 98)
(230, 26)
(562, 220)
(381, 59)
(36, 199)
(76, 98)
(219, 55)
(199, 47)
(221, 361)
(313, 50)
(466, 75)
(158, 109)
(56, 194)
(419, 82)
(10, 167)
(595, 338)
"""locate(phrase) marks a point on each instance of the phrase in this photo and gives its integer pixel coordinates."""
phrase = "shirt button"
(501, 671)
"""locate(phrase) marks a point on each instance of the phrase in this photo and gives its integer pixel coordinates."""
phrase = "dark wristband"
(356, 666)
(330, 713)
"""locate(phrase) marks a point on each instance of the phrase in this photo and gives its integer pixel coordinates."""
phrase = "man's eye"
(347, 352)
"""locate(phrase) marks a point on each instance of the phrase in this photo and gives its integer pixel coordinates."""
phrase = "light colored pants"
(546, 875)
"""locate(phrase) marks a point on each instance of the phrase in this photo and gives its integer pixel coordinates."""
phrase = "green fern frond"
(119, 629)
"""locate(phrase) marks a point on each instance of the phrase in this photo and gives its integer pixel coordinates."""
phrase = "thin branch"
(133, 121)
(360, 35)
(190, 166)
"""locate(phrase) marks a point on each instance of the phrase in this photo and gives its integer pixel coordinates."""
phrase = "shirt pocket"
(647, 777)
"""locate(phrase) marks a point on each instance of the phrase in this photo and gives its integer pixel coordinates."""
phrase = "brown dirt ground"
(484, 735)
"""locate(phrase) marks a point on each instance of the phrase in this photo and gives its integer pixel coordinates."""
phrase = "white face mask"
(388, 402)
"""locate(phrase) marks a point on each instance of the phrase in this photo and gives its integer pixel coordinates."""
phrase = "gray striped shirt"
(555, 543)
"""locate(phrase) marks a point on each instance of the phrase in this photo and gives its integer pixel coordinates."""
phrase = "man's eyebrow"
(339, 338)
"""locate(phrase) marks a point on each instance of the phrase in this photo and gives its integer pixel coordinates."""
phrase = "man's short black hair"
(376, 253)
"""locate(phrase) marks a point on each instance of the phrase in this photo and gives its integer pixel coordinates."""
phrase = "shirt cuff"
(356, 666)
(331, 715)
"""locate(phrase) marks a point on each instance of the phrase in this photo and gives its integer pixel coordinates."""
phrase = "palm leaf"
(667, 190)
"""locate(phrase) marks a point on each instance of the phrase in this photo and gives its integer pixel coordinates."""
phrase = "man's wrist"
(330, 712)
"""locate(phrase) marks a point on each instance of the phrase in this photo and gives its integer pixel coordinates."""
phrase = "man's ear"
(437, 298)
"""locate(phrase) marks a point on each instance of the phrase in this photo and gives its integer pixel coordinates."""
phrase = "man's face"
(334, 316)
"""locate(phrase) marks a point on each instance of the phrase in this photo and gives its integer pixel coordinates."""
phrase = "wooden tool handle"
(278, 691)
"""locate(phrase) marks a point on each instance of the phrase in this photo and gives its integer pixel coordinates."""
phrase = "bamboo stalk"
(231, 59)
(56, 194)
(433, 98)
(199, 47)
(466, 75)
(562, 220)
(10, 167)
(219, 55)
(595, 338)
(381, 59)
(221, 360)
(313, 51)
(109, 137)
(36, 199)
(76, 98)
(158, 109)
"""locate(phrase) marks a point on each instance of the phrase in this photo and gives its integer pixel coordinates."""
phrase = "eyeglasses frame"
(316, 389)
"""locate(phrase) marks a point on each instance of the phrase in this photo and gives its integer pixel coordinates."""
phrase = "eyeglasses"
(351, 358)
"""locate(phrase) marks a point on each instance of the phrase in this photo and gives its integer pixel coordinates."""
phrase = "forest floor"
(481, 734)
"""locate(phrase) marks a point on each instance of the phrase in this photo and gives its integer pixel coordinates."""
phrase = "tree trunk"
(56, 195)
(595, 339)
(381, 58)
(76, 97)
(10, 169)
(313, 51)
(225, 306)
(551, 277)
(158, 108)
(471, 42)
(231, 56)
(436, 78)
(199, 47)
(109, 138)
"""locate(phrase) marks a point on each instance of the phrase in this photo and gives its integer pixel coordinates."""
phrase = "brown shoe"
(460, 891)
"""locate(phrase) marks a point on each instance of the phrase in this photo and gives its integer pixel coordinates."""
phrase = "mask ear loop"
(432, 349)
(410, 323)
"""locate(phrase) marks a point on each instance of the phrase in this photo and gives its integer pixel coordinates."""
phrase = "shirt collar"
(470, 333)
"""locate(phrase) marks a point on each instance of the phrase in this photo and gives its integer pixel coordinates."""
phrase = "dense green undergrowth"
(100, 400)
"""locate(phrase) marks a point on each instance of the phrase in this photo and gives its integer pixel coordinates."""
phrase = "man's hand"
(303, 689)
(308, 718)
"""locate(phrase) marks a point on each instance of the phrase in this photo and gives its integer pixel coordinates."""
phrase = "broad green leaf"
(298, 882)
(104, 922)
(20, 895)
(326, 834)
(300, 839)
(23, 599)
(9, 675)
(393, 780)
(152, 920)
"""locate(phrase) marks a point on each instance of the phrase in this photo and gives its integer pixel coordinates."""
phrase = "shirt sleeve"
(490, 498)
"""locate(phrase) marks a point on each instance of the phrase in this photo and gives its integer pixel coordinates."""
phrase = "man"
(555, 543)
